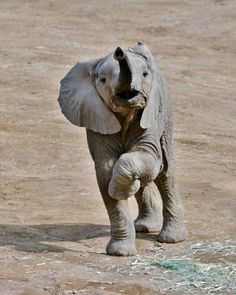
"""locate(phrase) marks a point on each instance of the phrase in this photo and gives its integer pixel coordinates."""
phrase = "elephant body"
(129, 132)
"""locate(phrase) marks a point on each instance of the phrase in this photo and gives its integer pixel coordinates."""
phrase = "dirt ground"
(53, 226)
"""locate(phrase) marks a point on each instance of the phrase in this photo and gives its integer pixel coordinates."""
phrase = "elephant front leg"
(122, 242)
(173, 229)
(132, 169)
(150, 209)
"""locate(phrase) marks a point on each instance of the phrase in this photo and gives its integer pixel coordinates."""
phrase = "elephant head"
(93, 92)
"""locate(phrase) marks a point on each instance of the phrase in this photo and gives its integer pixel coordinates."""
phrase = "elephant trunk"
(125, 76)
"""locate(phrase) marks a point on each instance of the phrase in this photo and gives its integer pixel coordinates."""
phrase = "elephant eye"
(103, 80)
(145, 74)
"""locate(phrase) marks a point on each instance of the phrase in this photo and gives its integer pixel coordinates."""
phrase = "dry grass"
(189, 274)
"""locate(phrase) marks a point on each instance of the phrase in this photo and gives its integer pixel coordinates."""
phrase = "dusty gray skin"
(123, 102)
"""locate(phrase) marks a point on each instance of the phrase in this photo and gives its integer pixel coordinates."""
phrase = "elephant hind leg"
(150, 209)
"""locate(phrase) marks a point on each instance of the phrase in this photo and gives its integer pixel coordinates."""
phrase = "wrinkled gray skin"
(123, 102)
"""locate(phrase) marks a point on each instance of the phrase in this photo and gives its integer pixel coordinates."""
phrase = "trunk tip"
(119, 54)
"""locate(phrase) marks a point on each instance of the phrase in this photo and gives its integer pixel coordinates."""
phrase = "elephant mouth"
(131, 99)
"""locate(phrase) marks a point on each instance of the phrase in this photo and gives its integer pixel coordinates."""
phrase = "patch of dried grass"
(187, 274)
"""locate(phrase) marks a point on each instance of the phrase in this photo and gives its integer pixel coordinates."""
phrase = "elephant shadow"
(34, 238)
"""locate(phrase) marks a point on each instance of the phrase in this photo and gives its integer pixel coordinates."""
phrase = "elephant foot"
(173, 233)
(121, 247)
(147, 225)
(119, 191)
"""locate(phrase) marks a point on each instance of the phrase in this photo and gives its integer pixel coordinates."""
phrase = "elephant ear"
(82, 105)
(154, 104)
(152, 113)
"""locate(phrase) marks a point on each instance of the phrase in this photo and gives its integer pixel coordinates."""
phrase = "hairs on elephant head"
(123, 102)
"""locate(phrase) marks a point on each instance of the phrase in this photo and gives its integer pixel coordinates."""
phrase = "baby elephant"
(123, 102)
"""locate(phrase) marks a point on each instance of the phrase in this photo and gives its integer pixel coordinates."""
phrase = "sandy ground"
(54, 227)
